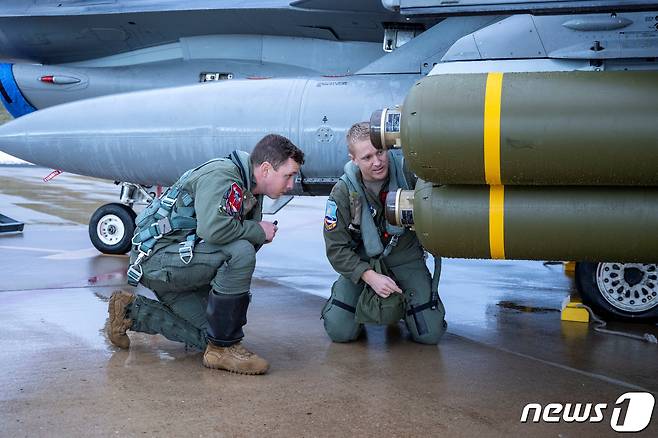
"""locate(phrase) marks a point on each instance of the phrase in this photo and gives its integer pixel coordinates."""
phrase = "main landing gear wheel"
(111, 228)
(626, 291)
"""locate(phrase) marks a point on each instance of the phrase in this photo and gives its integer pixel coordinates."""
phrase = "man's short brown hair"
(358, 132)
(275, 149)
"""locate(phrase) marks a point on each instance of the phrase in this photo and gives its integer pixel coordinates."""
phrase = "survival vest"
(171, 212)
(369, 234)
(370, 307)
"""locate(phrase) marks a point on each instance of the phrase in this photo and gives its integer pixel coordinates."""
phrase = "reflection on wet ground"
(513, 306)
(505, 346)
(67, 198)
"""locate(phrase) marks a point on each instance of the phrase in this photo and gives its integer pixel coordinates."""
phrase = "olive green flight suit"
(406, 263)
(223, 261)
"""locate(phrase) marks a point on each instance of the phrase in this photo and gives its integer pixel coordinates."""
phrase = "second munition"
(531, 223)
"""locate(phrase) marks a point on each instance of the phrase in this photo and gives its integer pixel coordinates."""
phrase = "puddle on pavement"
(528, 309)
(110, 279)
(53, 199)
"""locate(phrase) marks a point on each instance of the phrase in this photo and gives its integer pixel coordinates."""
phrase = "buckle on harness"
(164, 226)
(394, 240)
(185, 252)
(167, 201)
(354, 227)
(391, 244)
(135, 273)
(142, 255)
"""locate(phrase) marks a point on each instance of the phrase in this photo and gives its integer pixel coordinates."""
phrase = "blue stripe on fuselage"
(12, 98)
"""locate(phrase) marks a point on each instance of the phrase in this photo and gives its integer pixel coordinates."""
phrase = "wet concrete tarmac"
(505, 347)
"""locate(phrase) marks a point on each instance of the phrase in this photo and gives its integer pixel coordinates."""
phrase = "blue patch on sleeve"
(330, 215)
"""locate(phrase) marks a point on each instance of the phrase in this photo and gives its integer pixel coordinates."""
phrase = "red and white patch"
(234, 200)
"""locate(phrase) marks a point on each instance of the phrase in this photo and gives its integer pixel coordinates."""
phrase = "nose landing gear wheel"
(111, 228)
(627, 291)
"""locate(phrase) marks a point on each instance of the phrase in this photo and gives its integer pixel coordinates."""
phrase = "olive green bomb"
(556, 128)
(538, 223)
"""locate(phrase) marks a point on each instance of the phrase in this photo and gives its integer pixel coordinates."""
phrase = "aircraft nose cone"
(13, 140)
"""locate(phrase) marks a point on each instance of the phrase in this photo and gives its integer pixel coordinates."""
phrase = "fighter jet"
(139, 91)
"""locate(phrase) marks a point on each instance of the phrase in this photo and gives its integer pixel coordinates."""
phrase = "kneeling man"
(195, 248)
(383, 276)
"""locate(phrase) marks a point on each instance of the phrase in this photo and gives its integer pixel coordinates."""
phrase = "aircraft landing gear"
(111, 227)
(626, 291)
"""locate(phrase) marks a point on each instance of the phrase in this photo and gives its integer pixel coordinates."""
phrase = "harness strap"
(180, 222)
(243, 174)
(187, 201)
(185, 211)
(146, 234)
(147, 246)
(392, 243)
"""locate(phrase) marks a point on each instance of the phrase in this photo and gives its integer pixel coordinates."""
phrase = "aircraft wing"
(464, 7)
(63, 31)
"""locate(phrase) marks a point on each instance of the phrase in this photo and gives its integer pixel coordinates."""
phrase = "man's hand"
(381, 284)
(270, 229)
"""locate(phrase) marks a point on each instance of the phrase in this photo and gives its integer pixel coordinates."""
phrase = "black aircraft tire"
(111, 228)
(628, 301)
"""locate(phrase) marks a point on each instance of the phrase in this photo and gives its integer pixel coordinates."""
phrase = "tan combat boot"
(118, 323)
(235, 359)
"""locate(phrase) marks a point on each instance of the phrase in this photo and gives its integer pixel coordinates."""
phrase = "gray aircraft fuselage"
(307, 70)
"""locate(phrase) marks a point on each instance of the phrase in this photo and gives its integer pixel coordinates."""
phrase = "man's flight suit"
(220, 270)
(405, 264)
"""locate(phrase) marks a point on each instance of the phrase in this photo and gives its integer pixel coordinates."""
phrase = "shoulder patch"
(330, 215)
(233, 200)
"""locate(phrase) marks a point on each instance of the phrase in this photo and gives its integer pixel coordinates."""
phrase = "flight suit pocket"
(154, 270)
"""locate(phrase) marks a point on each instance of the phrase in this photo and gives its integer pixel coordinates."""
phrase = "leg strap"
(417, 309)
(343, 306)
(419, 319)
